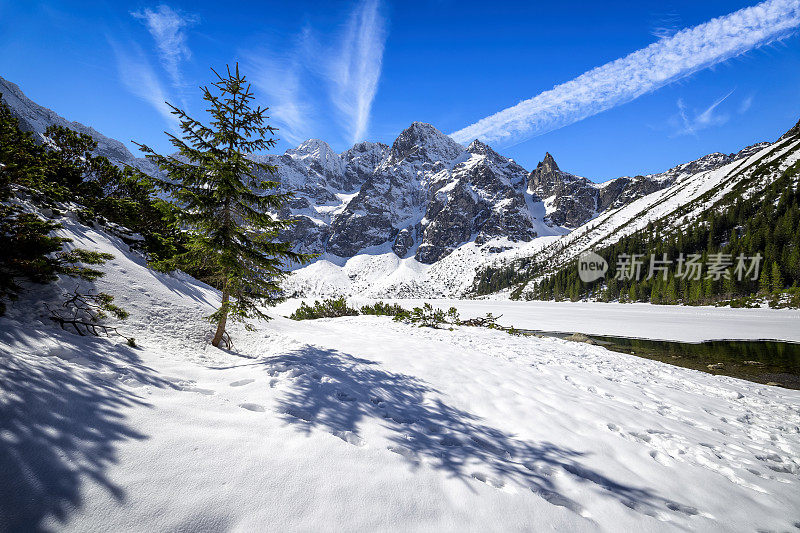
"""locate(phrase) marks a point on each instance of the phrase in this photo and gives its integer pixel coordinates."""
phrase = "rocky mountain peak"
(794, 132)
(314, 149)
(423, 141)
(364, 147)
(546, 177)
(477, 147)
(548, 164)
(320, 159)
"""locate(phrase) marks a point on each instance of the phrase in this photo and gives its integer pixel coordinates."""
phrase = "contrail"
(638, 73)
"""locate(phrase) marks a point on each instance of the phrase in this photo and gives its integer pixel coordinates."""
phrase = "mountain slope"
(35, 118)
(721, 183)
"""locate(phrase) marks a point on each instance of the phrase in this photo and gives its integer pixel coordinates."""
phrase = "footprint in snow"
(483, 478)
(560, 500)
(450, 441)
(198, 390)
(241, 382)
(686, 509)
(188, 387)
(350, 438)
(404, 452)
(344, 397)
(252, 407)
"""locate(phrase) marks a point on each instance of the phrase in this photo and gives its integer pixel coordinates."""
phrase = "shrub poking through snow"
(86, 315)
(488, 321)
(424, 317)
(328, 308)
(383, 309)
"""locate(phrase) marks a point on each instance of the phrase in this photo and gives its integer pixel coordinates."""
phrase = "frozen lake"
(658, 322)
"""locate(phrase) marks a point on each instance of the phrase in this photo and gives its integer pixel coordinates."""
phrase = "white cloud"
(140, 79)
(746, 104)
(666, 25)
(281, 79)
(344, 69)
(641, 72)
(281, 83)
(356, 67)
(702, 120)
(167, 28)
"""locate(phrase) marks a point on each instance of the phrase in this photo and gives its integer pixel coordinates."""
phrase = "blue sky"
(352, 70)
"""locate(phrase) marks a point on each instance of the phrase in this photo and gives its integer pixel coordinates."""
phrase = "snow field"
(361, 423)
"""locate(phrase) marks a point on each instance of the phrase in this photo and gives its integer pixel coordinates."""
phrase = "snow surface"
(364, 424)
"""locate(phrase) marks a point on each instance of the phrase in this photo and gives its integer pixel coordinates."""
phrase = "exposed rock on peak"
(423, 141)
(793, 132)
(477, 147)
(314, 148)
(548, 164)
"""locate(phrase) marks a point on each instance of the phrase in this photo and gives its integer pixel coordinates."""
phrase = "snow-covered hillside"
(365, 424)
(35, 118)
(683, 201)
(613, 209)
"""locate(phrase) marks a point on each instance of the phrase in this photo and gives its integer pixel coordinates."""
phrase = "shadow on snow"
(335, 391)
(60, 424)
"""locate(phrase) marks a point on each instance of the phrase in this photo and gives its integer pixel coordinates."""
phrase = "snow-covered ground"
(641, 320)
(365, 424)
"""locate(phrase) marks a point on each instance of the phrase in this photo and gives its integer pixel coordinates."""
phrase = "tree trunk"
(222, 320)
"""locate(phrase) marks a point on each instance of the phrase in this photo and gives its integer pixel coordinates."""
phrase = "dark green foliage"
(425, 317)
(382, 309)
(228, 202)
(64, 170)
(86, 314)
(337, 307)
(487, 321)
(29, 251)
(329, 308)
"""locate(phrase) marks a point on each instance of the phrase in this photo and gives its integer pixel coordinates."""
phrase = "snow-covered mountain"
(422, 197)
(712, 182)
(572, 201)
(36, 119)
(421, 217)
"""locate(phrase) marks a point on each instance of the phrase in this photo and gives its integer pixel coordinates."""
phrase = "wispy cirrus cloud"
(356, 69)
(746, 104)
(343, 69)
(140, 78)
(665, 25)
(280, 78)
(708, 117)
(167, 27)
(625, 79)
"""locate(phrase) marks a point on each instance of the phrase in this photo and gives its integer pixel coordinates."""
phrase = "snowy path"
(364, 424)
(658, 322)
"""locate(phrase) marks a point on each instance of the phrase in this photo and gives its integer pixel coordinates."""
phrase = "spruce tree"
(229, 203)
(777, 279)
(764, 281)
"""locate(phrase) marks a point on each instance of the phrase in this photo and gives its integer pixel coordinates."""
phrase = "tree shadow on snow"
(61, 422)
(335, 391)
